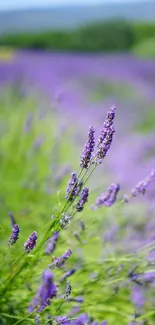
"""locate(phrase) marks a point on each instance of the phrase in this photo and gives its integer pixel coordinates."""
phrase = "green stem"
(4, 255)
(14, 317)
(18, 259)
(22, 319)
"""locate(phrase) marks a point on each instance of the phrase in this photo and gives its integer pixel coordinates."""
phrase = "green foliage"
(105, 36)
(145, 48)
(143, 31)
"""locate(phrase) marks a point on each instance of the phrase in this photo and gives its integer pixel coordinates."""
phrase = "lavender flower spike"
(106, 135)
(88, 149)
(143, 185)
(45, 293)
(72, 189)
(60, 261)
(15, 234)
(52, 243)
(31, 242)
(83, 199)
(68, 274)
(109, 198)
(68, 290)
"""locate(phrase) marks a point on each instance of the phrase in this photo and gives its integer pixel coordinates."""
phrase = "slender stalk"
(22, 319)
(4, 255)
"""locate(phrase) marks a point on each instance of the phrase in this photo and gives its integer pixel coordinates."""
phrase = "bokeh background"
(81, 57)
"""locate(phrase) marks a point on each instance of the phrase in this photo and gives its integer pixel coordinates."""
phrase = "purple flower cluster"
(62, 320)
(80, 320)
(137, 296)
(88, 148)
(15, 234)
(60, 261)
(45, 293)
(106, 135)
(65, 220)
(73, 187)
(108, 198)
(83, 199)
(31, 242)
(52, 243)
(143, 185)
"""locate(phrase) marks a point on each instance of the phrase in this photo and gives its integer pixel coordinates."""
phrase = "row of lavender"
(71, 81)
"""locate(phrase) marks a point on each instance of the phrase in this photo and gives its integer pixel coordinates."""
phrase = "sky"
(18, 4)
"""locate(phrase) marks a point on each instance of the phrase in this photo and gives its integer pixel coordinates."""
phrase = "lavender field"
(88, 258)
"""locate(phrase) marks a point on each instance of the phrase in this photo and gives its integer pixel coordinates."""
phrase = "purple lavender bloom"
(28, 122)
(68, 290)
(81, 320)
(82, 225)
(83, 199)
(62, 320)
(65, 220)
(143, 185)
(137, 296)
(68, 274)
(38, 142)
(15, 235)
(73, 188)
(60, 261)
(149, 277)
(108, 198)
(12, 218)
(88, 148)
(104, 322)
(45, 293)
(31, 242)
(74, 311)
(52, 243)
(106, 135)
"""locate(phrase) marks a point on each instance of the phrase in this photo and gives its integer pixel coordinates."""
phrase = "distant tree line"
(107, 36)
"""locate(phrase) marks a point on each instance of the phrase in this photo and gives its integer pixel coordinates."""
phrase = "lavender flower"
(81, 320)
(72, 189)
(65, 220)
(74, 310)
(60, 261)
(12, 218)
(88, 149)
(68, 274)
(31, 242)
(82, 225)
(62, 320)
(52, 243)
(45, 293)
(83, 199)
(15, 235)
(68, 290)
(106, 135)
(38, 142)
(137, 297)
(143, 185)
(28, 122)
(108, 198)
